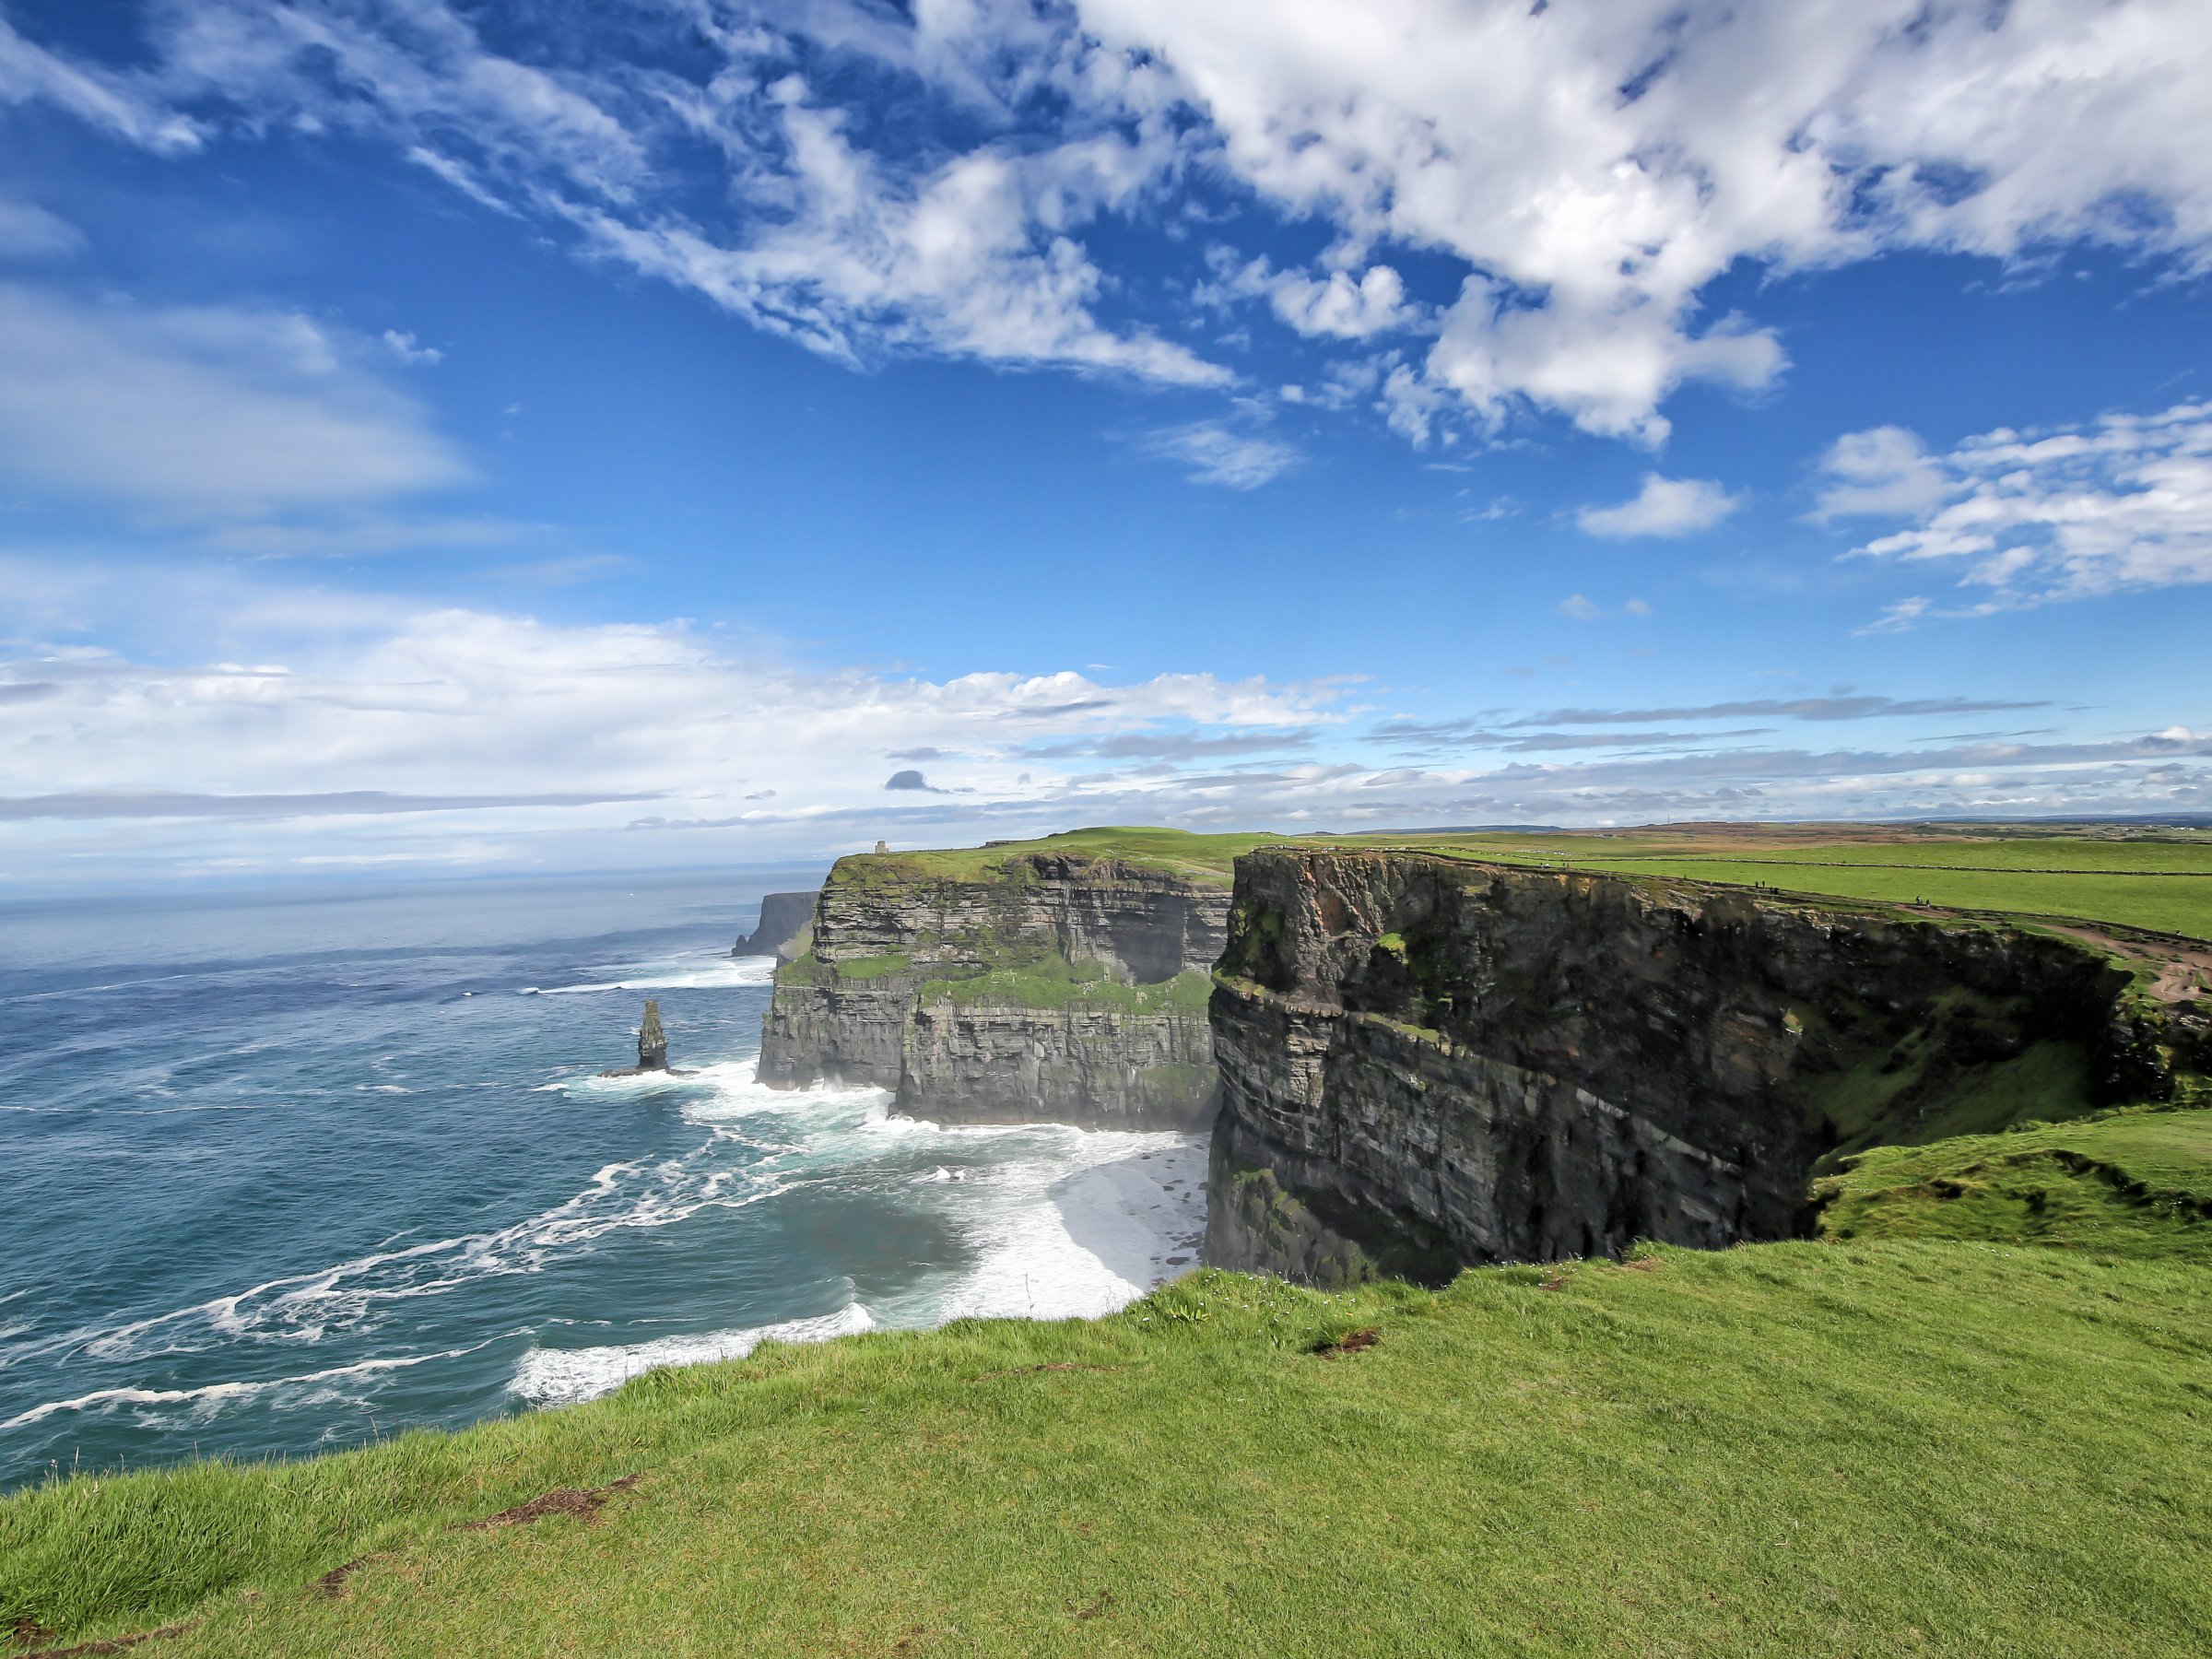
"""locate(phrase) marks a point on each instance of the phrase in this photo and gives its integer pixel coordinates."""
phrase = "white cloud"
(1334, 307)
(2063, 512)
(30, 231)
(307, 706)
(269, 727)
(404, 348)
(1880, 473)
(120, 104)
(1797, 134)
(1587, 173)
(202, 411)
(1663, 506)
(1217, 455)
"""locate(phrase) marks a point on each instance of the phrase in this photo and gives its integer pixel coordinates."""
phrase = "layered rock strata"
(1428, 1063)
(1029, 986)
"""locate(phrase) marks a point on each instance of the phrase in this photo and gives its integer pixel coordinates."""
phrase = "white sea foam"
(1059, 1222)
(301, 1307)
(708, 974)
(564, 1376)
(1083, 1232)
(104, 1399)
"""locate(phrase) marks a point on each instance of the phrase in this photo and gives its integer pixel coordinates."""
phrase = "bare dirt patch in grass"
(113, 1644)
(562, 1501)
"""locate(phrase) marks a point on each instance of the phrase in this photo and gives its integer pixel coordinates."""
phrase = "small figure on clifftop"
(652, 1048)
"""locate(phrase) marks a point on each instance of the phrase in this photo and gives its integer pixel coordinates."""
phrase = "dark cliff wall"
(781, 929)
(1428, 1063)
(1033, 986)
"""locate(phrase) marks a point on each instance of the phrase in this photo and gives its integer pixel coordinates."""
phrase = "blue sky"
(514, 436)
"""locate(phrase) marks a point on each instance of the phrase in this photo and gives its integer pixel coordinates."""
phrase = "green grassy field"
(2161, 885)
(1924, 1446)
(1205, 857)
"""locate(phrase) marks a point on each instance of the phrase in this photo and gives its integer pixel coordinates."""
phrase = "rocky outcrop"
(1428, 1063)
(1007, 985)
(782, 930)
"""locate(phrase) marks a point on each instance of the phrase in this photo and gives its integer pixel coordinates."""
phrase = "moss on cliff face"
(1053, 983)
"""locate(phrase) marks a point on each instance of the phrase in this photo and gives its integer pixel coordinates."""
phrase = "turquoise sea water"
(278, 1174)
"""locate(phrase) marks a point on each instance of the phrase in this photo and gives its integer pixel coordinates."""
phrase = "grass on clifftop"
(1929, 1447)
(1208, 858)
(2159, 881)
(2164, 885)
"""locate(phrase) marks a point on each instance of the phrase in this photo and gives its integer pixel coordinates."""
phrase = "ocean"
(283, 1172)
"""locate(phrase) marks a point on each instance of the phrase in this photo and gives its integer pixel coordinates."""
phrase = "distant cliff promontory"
(1064, 980)
(781, 931)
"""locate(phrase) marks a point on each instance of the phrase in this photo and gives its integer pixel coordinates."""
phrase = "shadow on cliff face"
(1139, 1216)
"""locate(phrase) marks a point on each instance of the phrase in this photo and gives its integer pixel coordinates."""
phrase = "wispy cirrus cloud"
(2034, 517)
(1215, 452)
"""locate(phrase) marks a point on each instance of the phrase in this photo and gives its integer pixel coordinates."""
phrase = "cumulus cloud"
(1598, 166)
(203, 410)
(1217, 454)
(1334, 306)
(1581, 174)
(2033, 517)
(1879, 473)
(1662, 507)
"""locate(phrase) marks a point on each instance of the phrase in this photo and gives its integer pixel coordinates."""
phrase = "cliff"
(1025, 982)
(781, 929)
(1428, 1063)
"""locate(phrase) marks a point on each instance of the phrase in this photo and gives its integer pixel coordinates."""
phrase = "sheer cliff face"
(1427, 1063)
(1041, 988)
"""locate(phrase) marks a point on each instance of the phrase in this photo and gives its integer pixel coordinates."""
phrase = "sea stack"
(652, 1049)
(653, 1042)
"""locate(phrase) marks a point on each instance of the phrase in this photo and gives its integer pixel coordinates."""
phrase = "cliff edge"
(1429, 1062)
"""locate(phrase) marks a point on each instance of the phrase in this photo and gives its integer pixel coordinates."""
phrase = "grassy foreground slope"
(2133, 1183)
(1924, 1447)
